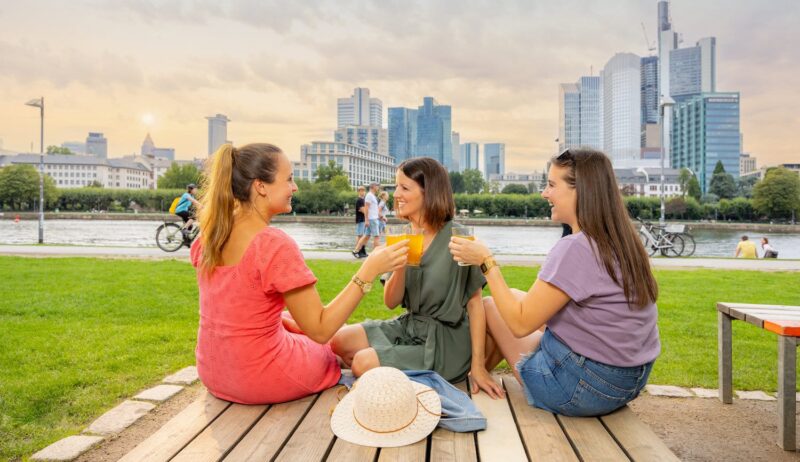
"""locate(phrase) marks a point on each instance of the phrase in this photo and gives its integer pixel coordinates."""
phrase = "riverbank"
(340, 219)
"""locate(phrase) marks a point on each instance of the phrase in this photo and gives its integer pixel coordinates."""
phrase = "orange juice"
(469, 238)
(414, 248)
(394, 238)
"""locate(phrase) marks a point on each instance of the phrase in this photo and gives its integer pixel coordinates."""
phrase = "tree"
(473, 181)
(19, 187)
(719, 168)
(693, 188)
(778, 194)
(457, 182)
(59, 150)
(341, 183)
(94, 184)
(683, 180)
(723, 185)
(178, 176)
(745, 185)
(327, 172)
(515, 189)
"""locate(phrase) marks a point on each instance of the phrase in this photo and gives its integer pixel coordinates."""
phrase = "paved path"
(518, 260)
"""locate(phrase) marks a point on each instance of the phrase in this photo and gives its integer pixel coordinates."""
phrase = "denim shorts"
(558, 380)
(373, 229)
(361, 228)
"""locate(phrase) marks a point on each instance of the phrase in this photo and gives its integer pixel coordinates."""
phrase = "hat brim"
(344, 425)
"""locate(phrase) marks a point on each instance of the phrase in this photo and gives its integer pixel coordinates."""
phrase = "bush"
(85, 199)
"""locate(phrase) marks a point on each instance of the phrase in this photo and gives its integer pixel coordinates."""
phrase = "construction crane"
(650, 48)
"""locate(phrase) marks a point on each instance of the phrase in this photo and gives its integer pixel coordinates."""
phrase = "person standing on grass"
(361, 225)
(249, 351)
(372, 213)
(583, 339)
(746, 248)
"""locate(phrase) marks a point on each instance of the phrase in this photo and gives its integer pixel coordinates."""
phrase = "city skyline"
(277, 72)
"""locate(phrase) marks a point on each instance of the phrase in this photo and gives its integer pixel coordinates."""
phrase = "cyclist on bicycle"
(184, 206)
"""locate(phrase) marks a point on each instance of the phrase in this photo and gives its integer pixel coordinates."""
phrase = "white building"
(76, 147)
(75, 171)
(364, 136)
(645, 182)
(217, 132)
(361, 166)
(360, 109)
(747, 164)
(622, 110)
(524, 179)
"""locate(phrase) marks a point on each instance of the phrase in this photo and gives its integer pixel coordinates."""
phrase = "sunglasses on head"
(565, 156)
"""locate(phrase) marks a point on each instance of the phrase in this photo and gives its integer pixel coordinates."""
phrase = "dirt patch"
(704, 429)
(113, 448)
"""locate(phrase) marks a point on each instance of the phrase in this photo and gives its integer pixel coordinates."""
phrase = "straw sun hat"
(386, 409)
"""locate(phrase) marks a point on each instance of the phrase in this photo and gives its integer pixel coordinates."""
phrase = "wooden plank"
(636, 438)
(543, 437)
(591, 440)
(750, 306)
(268, 435)
(787, 406)
(313, 437)
(500, 440)
(723, 307)
(789, 328)
(736, 314)
(447, 446)
(770, 313)
(219, 437)
(179, 431)
(725, 358)
(756, 321)
(411, 453)
(344, 451)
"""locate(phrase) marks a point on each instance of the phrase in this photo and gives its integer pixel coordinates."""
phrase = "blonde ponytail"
(216, 215)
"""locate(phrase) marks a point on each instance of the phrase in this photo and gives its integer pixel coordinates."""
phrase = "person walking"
(372, 214)
(361, 225)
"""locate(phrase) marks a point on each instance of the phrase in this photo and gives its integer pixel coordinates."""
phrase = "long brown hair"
(603, 218)
(227, 187)
(438, 204)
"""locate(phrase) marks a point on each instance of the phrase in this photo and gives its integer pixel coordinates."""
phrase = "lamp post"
(40, 104)
(665, 106)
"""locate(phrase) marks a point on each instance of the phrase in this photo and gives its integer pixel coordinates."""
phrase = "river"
(525, 240)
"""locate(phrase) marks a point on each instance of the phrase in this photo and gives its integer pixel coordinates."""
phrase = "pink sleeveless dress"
(244, 354)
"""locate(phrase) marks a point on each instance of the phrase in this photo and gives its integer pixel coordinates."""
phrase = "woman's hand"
(479, 379)
(384, 259)
(469, 252)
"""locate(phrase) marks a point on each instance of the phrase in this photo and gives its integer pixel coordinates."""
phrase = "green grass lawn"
(79, 335)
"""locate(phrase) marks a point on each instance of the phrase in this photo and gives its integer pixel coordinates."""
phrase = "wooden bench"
(210, 429)
(781, 320)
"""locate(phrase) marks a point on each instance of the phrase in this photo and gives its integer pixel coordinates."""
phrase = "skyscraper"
(217, 132)
(434, 132)
(97, 145)
(402, 133)
(649, 89)
(580, 110)
(706, 130)
(359, 109)
(364, 136)
(622, 109)
(455, 163)
(494, 155)
(693, 70)
(470, 157)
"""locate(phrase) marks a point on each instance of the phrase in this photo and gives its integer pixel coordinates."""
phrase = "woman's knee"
(364, 360)
(348, 340)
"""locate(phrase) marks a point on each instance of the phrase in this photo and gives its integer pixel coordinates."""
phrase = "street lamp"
(665, 105)
(39, 102)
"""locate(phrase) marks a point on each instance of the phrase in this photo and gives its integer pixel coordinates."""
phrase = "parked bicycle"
(170, 236)
(671, 240)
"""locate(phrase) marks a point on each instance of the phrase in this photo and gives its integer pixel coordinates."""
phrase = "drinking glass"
(464, 232)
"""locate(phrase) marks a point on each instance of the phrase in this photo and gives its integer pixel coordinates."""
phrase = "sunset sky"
(276, 68)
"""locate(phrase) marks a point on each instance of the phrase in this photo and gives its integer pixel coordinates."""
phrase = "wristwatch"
(365, 286)
(488, 263)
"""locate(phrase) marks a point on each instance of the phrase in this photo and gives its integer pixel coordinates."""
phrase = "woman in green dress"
(444, 327)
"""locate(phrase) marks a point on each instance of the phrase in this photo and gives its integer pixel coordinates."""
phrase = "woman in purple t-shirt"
(583, 339)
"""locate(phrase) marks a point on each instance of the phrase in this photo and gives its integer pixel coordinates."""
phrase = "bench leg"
(787, 369)
(725, 354)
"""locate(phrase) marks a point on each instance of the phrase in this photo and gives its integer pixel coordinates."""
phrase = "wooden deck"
(211, 429)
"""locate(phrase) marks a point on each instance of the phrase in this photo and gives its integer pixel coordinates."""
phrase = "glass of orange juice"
(395, 234)
(464, 232)
(414, 246)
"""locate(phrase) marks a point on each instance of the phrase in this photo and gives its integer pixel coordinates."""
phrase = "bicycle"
(655, 239)
(170, 236)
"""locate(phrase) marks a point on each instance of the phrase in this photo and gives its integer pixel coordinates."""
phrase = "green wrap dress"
(433, 334)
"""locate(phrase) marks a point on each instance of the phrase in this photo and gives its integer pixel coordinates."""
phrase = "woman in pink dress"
(248, 272)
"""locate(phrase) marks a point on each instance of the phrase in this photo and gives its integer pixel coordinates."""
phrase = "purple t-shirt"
(598, 321)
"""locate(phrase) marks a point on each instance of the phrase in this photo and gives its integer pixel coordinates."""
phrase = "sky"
(276, 69)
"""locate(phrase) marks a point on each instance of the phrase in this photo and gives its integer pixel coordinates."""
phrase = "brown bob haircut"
(437, 202)
(603, 218)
